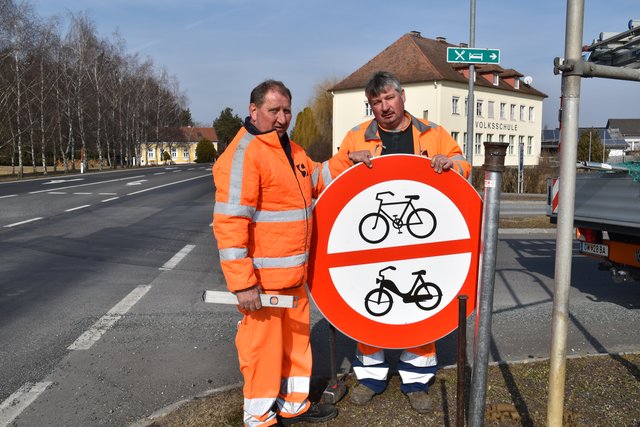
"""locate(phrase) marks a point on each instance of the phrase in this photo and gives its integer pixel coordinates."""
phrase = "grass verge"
(601, 390)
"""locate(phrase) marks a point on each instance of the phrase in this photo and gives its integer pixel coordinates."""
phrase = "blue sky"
(220, 49)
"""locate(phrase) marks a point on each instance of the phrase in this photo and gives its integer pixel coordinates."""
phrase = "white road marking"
(93, 334)
(107, 194)
(159, 173)
(10, 195)
(108, 200)
(24, 222)
(166, 185)
(89, 183)
(83, 194)
(177, 257)
(57, 192)
(138, 182)
(20, 400)
(60, 181)
(77, 207)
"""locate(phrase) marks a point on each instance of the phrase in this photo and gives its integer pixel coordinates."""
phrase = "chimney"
(415, 33)
(463, 45)
(441, 39)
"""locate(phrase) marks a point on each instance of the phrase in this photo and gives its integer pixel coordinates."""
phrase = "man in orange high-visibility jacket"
(265, 185)
(393, 131)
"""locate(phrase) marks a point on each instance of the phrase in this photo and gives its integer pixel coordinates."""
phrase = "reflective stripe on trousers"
(417, 366)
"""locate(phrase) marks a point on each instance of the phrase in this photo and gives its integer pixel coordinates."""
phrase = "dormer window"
(516, 84)
(496, 79)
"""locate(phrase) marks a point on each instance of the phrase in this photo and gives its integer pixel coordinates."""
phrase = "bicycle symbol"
(378, 302)
(374, 227)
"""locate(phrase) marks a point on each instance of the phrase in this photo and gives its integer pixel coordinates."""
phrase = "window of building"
(503, 111)
(529, 145)
(455, 135)
(532, 116)
(489, 137)
(367, 109)
(464, 142)
(501, 138)
(511, 143)
(522, 112)
(466, 106)
(496, 79)
(521, 144)
(454, 105)
(151, 153)
(477, 148)
(512, 112)
(516, 84)
(490, 106)
(185, 153)
(174, 153)
(479, 108)
(425, 114)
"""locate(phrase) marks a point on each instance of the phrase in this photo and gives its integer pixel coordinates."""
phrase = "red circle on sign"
(328, 207)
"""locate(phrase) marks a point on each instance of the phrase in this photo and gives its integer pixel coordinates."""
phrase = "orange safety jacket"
(262, 215)
(429, 139)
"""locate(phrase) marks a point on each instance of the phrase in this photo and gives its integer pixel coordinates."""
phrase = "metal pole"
(564, 232)
(462, 358)
(470, 101)
(336, 389)
(494, 167)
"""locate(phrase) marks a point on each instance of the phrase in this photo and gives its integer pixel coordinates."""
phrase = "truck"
(606, 217)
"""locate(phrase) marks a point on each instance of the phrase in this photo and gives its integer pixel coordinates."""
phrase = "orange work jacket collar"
(372, 132)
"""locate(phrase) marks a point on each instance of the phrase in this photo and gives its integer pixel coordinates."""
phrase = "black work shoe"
(317, 413)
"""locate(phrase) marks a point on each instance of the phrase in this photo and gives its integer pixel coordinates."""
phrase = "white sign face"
(389, 199)
(355, 283)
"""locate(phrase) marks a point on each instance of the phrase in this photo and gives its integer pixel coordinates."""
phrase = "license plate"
(596, 249)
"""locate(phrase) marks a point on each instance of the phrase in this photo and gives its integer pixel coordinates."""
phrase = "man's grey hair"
(380, 82)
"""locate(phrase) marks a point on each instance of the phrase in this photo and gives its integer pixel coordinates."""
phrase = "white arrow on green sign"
(468, 55)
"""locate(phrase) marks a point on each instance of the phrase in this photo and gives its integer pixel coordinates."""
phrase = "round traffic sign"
(393, 246)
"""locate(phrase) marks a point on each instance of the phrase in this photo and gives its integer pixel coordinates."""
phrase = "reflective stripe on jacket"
(429, 139)
(262, 214)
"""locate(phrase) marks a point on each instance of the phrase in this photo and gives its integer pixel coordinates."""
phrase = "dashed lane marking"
(23, 222)
(93, 334)
(90, 183)
(77, 207)
(169, 265)
(166, 185)
(20, 400)
(108, 200)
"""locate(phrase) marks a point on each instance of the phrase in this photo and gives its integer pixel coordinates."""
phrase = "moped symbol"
(420, 222)
(425, 295)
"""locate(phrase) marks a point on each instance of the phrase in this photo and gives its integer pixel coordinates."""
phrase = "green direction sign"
(467, 55)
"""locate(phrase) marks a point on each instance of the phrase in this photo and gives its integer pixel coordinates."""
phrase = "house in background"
(180, 143)
(507, 108)
(629, 129)
(611, 140)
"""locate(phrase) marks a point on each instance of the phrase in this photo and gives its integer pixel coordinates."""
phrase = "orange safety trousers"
(275, 360)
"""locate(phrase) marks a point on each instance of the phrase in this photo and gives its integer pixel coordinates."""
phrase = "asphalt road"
(102, 321)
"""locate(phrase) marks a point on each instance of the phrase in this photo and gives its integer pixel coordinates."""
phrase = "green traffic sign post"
(466, 55)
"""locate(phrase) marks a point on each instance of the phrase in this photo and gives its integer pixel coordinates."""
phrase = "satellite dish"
(527, 80)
